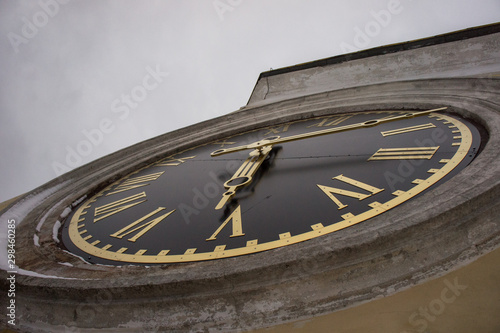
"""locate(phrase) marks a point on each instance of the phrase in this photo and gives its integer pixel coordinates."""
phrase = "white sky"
(66, 67)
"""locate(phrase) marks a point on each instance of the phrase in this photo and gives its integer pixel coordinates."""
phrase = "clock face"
(200, 204)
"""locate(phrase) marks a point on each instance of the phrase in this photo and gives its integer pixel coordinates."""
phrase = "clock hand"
(275, 140)
(243, 176)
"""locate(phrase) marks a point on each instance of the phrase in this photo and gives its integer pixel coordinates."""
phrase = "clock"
(270, 187)
(342, 181)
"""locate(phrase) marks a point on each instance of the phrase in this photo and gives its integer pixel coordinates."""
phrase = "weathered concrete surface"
(462, 301)
(448, 226)
(459, 59)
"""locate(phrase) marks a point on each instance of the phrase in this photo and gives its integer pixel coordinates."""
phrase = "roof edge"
(391, 48)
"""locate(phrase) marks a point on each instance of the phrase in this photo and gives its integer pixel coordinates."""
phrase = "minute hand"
(277, 140)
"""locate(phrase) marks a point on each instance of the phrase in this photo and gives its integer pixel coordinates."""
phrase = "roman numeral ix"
(136, 182)
(404, 153)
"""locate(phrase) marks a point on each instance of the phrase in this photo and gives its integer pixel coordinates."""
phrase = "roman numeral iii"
(414, 153)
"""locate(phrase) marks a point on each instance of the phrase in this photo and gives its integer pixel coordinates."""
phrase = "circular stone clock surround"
(438, 231)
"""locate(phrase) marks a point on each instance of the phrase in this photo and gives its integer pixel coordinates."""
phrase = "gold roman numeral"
(143, 228)
(174, 161)
(330, 121)
(114, 207)
(404, 153)
(136, 182)
(277, 130)
(408, 129)
(235, 219)
(330, 191)
(223, 143)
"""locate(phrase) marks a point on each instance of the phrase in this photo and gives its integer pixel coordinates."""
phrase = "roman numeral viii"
(114, 207)
(331, 191)
(140, 226)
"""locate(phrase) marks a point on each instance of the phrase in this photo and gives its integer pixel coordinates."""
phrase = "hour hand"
(266, 142)
(243, 176)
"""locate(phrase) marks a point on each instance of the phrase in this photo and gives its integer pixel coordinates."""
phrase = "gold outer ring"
(319, 230)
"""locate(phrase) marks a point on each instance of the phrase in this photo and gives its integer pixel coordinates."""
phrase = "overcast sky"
(82, 79)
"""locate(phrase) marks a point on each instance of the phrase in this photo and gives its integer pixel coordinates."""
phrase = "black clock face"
(194, 206)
